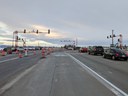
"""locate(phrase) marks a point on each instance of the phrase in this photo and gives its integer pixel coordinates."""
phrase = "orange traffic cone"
(48, 51)
(43, 52)
(34, 52)
(3, 53)
(20, 55)
(16, 51)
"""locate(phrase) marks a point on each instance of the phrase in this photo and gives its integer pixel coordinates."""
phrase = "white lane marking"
(8, 60)
(13, 59)
(105, 82)
(11, 83)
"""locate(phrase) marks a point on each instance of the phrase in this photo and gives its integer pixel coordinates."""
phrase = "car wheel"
(104, 56)
(125, 59)
(113, 58)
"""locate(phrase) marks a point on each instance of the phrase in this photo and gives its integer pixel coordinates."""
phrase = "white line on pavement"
(8, 60)
(10, 84)
(105, 82)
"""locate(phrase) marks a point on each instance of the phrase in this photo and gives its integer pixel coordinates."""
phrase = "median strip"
(105, 82)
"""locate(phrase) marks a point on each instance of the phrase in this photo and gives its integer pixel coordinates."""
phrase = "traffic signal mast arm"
(15, 35)
(37, 31)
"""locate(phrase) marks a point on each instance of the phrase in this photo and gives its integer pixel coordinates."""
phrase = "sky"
(87, 22)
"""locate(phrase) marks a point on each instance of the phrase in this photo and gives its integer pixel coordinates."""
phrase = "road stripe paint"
(11, 83)
(8, 60)
(12, 59)
(105, 82)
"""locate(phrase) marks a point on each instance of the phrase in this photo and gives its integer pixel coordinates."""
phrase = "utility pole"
(112, 37)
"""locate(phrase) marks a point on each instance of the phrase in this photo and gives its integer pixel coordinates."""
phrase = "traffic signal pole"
(16, 38)
(112, 37)
(119, 40)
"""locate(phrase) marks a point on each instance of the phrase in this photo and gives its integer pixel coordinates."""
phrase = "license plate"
(123, 55)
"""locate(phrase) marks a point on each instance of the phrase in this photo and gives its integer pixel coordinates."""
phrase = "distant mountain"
(3, 46)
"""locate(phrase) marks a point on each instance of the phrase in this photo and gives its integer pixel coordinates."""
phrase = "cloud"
(87, 20)
(3, 28)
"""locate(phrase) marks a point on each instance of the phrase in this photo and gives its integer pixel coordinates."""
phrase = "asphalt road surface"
(64, 74)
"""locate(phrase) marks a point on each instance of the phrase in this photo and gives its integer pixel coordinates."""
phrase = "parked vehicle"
(83, 49)
(95, 50)
(20, 49)
(115, 53)
(70, 48)
(8, 50)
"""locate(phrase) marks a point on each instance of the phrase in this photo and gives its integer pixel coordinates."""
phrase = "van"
(95, 50)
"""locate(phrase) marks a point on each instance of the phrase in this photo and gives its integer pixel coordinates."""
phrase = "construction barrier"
(3, 53)
(43, 53)
(34, 52)
(26, 53)
(48, 51)
(20, 55)
(17, 51)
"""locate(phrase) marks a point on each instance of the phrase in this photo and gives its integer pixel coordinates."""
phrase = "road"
(67, 73)
(11, 65)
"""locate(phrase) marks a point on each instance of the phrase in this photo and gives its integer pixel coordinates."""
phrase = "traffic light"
(24, 30)
(37, 31)
(48, 31)
(114, 35)
(120, 35)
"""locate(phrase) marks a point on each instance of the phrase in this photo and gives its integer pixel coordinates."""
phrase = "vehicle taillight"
(117, 54)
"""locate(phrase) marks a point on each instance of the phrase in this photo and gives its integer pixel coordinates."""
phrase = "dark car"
(8, 50)
(95, 50)
(115, 53)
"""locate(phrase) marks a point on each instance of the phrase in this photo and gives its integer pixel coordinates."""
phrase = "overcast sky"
(90, 21)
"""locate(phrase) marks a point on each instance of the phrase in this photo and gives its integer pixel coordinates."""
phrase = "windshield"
(63, 47)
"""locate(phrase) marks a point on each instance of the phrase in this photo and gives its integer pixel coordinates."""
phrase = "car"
(8, 50)
(70, 48)
(95, 50)
(115, 53)
(20, 49)
(83, 49)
